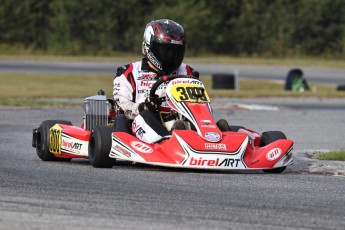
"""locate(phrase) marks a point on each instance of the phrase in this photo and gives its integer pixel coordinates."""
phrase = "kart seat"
(122, 124)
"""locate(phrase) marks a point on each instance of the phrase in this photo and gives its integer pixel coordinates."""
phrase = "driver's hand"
(148, 106)
(156, 101)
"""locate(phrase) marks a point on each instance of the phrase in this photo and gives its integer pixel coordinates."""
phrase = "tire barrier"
(295, 81)
(341, 87)
(224, 81)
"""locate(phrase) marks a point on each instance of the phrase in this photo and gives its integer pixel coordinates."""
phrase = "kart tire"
(42, 141)
(267, 138)
(223, 81)
(341, 87)
(271, 136)
(99, 147)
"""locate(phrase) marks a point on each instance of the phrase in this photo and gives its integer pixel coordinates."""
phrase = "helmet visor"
(169, 55)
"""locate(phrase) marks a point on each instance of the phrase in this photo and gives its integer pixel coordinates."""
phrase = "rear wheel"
(266, 139)
(99, 147)
(42, 140)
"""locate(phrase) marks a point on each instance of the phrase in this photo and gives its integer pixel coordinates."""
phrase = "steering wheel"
(153, 98)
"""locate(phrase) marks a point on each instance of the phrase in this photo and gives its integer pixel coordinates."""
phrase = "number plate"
(55, 134)
(189, 93)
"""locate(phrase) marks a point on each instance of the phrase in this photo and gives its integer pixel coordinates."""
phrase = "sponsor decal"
(147, 83)
(208, 126)
(206, 122)
(141, 147)
(215, 146)
(144, 75)
(174, 82)
(140, 132)
(212, 136)
(141, 91)
(196, 82)
(176, 42)
(71, 146)
(227, 162)
(273, 154)
(154, 61)
(123, 151)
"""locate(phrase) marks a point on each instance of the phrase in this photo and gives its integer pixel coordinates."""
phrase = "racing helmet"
(164, 45)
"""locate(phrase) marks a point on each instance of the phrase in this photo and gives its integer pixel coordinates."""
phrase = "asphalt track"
(73, 195)
(333, 76)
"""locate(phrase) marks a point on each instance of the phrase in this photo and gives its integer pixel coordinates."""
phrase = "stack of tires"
(341, 87)
(224, 81)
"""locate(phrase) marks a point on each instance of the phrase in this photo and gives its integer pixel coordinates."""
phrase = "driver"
(163, 48)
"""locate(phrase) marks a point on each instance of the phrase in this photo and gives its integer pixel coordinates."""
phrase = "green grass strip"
(42, 89)
(332, 156)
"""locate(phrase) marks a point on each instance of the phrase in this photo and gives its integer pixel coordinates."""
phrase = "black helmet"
(164, 45)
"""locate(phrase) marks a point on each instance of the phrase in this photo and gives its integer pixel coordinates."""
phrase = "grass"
(261, 88)
(20, 89)
(332, 156)
(36, 102)
(19, 85)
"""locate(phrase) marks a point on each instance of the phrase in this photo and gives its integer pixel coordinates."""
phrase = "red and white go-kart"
(201, 145)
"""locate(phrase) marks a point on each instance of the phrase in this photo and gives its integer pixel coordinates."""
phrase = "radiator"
(96, 111)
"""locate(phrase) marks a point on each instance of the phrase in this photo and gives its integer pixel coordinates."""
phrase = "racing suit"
(132, 85)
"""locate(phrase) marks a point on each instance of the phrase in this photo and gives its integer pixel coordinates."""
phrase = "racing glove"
(149, 106)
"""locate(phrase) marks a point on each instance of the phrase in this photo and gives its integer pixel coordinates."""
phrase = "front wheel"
(99, 147)
(268, 138)
(42, 140)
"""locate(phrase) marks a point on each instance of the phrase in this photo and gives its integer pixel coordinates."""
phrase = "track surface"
(48, 195)
(334, 76)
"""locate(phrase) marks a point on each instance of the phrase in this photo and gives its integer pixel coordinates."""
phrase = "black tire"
(99, 147)
(271, 136)
(341, 87)
(267, 138)
(235, 128)
(224, 81)
(42, 140)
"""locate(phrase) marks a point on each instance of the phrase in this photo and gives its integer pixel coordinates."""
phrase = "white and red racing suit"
(133, 82)
(132, 85)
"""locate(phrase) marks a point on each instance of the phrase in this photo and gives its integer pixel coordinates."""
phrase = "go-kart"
(200, 145)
